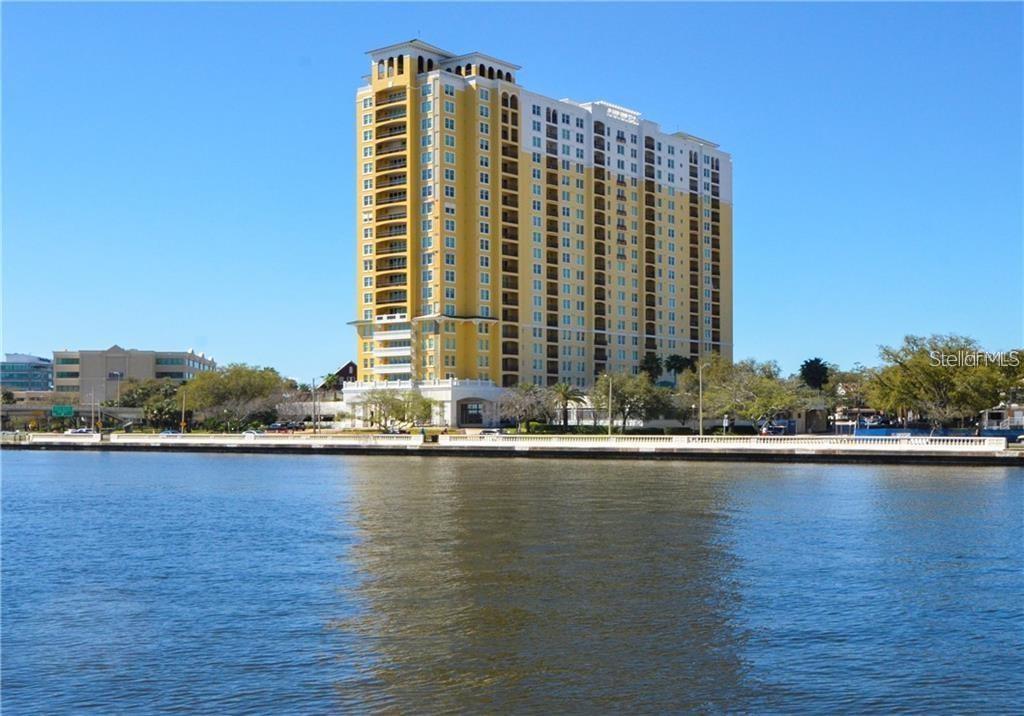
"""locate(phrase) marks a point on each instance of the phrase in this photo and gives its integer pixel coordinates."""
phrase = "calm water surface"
(137, 583)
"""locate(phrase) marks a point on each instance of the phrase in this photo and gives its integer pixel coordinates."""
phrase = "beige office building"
(510, 237)
(87, 376)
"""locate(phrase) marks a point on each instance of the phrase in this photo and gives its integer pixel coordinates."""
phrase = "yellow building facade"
(510, 237)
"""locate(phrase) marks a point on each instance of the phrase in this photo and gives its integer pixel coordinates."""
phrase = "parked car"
(278, 427)
(78, 431)
(489, 432)
(170, 433)
(296, 425)
(252, 433)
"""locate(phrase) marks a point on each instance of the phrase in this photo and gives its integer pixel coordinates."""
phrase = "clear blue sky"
(181, 175)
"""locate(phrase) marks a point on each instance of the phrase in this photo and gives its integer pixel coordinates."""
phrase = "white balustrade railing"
(729, 442)
(269, 439)
(626, 443)
(58, 439)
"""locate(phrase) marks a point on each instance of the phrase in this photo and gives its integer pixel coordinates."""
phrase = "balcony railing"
(391, 98)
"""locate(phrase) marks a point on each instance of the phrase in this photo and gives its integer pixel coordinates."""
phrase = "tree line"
(934, 378)
(946, 380)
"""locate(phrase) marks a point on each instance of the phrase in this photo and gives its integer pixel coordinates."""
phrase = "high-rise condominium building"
(512, 237)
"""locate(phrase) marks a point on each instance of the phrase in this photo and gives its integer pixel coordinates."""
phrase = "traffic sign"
(63, 411)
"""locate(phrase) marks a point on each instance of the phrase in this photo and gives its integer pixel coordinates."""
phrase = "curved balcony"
(398, 280)
(390, 165)
(390, 147)
(391, 313)
(392, 180)
(391, 232)
(386, 265)
(394, 197)
(392, 214)
(391, 114)
(390, 130)
(392, 247)
(390, 98)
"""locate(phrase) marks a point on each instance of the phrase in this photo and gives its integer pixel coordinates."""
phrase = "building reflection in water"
(522, 584)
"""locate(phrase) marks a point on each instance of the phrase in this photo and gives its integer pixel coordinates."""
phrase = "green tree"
(417, 409)
(676, 364)
(651, 365)
(382, 407)
(632, 397)
(847, 389)
(163, 411)
(135, 393)
(331, 383)
(562, 395)
(935, 378)
(814, 373)
(8, 397)
(746, 389)
(235, 395)
(523, 403)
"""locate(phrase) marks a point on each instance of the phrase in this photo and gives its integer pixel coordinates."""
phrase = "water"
(137, 583)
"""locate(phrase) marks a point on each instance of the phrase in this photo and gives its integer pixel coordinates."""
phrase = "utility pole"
(700, 398)
(609, 376)
(312, 390)
(183, 423)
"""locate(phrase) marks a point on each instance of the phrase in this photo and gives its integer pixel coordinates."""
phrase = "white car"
(250, 434)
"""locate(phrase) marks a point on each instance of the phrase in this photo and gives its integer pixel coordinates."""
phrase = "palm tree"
(651, 365)
(676, 364)
(814, 372)
(562, 394)
(331, 383)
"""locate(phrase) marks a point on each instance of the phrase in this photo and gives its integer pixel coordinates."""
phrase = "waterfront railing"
(728, 442)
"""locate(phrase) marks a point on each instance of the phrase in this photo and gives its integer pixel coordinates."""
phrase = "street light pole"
(609, 375)
(700, 396)
(312, 390)
(183, 423)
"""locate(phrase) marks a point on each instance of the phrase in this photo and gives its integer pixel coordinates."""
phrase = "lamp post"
(700, 396)
(609, 404)
(183, 423)
(313, 392)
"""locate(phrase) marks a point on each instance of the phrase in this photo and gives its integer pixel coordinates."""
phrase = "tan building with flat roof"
(96, 376)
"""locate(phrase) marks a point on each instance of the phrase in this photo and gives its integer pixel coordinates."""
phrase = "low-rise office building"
(20, 371)
(96, 376)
